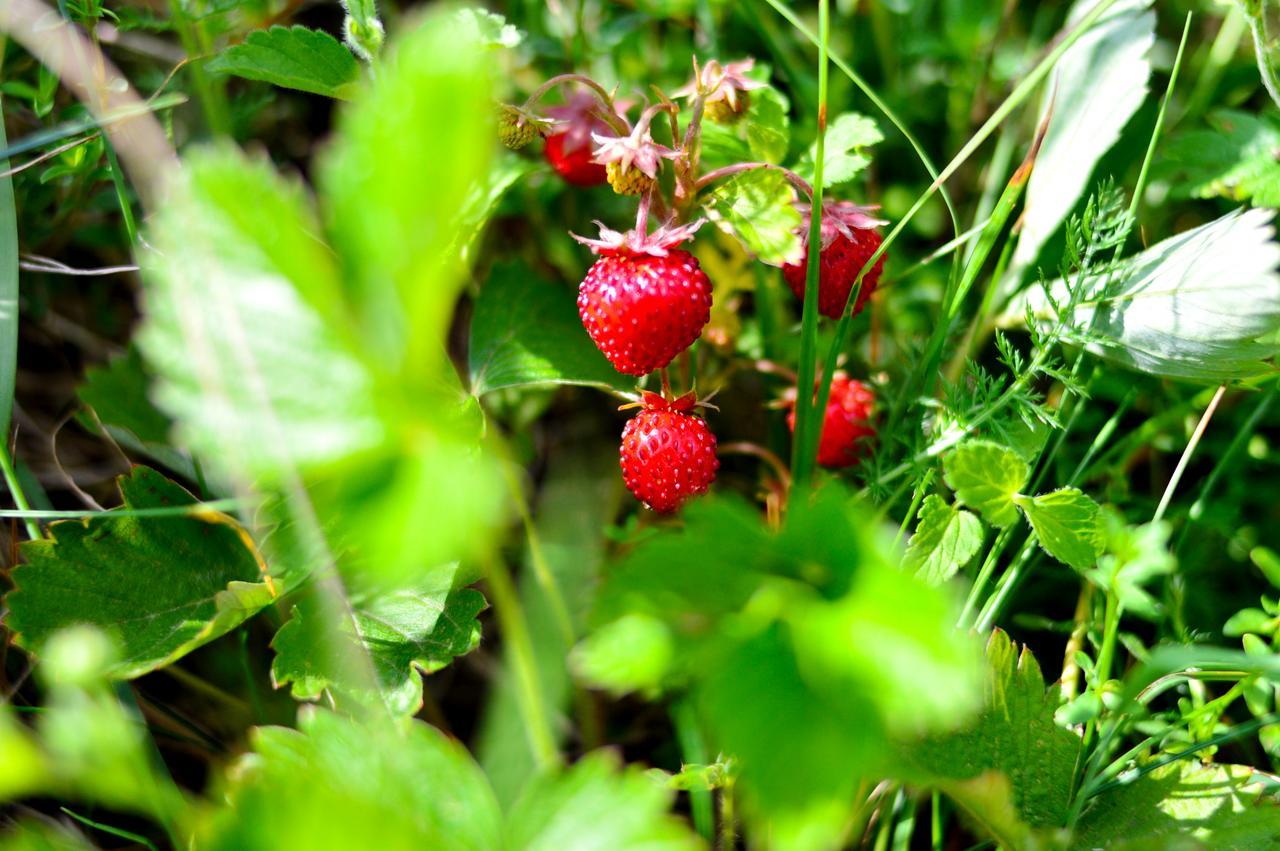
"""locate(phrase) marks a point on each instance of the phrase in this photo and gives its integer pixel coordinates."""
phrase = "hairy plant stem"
(610, 116)
(738, 168)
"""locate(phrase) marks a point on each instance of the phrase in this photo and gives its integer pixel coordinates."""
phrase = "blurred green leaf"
(1234, 159)
(336, 782)
(161, 586)
(1134, 556)
(33, 835)
(1015, 735)
(945, 539)
(845, 149)
(22, 771)
(233, 328)
(1097, 86)
(630, 654)
(526, 331)
(483, 200)
(597, 805)
(404, 633)
(758, 208)
(407, 155)
(1223, 807)
(986, 476)
(292, 57)
(1067, 525)
(491, 30)
(1201, 306)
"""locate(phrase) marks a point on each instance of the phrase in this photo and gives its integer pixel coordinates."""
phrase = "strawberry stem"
(616, 121)
(737, 168)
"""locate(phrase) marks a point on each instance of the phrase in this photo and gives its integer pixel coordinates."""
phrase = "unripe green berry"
(722, 112)
(514, 128)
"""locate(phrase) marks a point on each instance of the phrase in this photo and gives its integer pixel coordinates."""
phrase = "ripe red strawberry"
(574, 165)
(847, 424)
(848, 241)
(644, 302)
(668, 455)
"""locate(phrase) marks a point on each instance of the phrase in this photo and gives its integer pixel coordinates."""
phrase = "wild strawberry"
(568, 148)
(847, 424)
(631, 162)
(848, 241)
(643, 302)
(668, 454)
(574, 166)
(726, 88)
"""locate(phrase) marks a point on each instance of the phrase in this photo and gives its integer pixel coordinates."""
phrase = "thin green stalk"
(1186, 454)
(916, 499)
(1226, 44)
(528, 685)
(117, 832)
(802, 460)
(8, 311)
(1237, 442)
(984, 575)
(27, 513)
(19, 498)
(935, 821)
(693, 750)
(122, 194)
(538, 560)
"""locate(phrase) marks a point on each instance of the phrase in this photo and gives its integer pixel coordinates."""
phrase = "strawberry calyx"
(635, 242)
(725, 83)
(683, 404)
(839, 218)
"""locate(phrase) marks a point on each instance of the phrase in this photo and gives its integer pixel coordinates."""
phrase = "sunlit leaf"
(757, 207)
(944, 541)
(292, 57)
(985, 476)
(160, 586)
(1202, 306)
(844, 149)
(1067, 525)
(1235, 158)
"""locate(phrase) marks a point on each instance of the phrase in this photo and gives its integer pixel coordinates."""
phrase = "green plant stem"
(538, 559)
(120, 833)
(693, 750)
(122, 194)
(1186, 454)
(984, 575)
(802, 459)
(19, 498)
(916, 499)
(528, 686)
(935, 821)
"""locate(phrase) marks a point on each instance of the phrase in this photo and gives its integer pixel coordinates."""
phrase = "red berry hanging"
(668, 454)
(575, 165)
(847, 425)
(569, 148)
(644, 302)
(849, 239)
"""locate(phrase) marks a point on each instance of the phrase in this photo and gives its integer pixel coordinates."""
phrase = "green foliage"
(986, 476)
(1202, 306)
(1016, 736)
(809, 628)
(845, 152)
(756, 207)
(630, 654)
(161, 586)
(526, 332)
(1098, 85)
(946, 538)
(596, 805)
(294, 58)
(403, 633)
(337, 782)
(1226, 807)
(1135, 555)
(1235, 159)
(1067, 525)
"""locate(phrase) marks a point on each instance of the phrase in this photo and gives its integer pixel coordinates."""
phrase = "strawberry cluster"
(645, 300)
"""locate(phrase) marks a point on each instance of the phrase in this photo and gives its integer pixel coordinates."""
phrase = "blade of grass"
(802, 461)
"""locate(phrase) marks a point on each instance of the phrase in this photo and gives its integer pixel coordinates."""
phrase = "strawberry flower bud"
(631, 161)
(725, 88)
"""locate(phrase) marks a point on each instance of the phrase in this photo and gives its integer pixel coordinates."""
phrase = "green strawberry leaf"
(1202, 306)
(294, 58)
(596, 804)
(757, 207)
(944, 541)
(768, 125)
(1235, 158)
(491, 30)
(404, 633)
(844, 149)
(1206, 806)
(630, 654)
(336, 782)
(160, 586)
(1015, 738)
(526, 332)
(1067, 524)
(986, 476)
